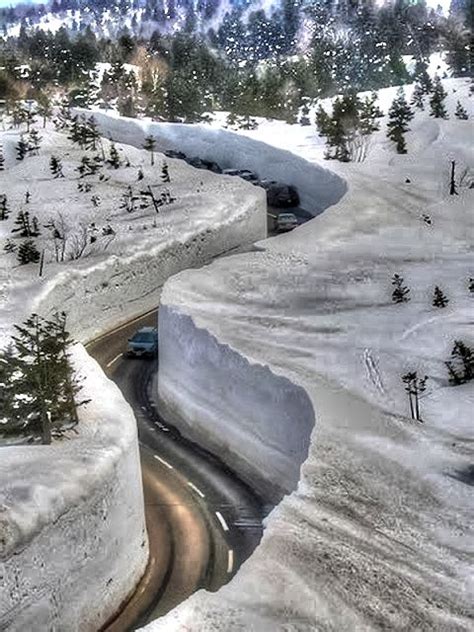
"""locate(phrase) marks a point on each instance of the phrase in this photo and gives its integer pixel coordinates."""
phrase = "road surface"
(202, 521)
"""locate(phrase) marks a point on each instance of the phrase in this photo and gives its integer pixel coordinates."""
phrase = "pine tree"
(461, 113)
(439, 298)
(9, 246)
(4, 210)
(76, 132)
(27, 197)
(323, 121)
(369, 112)
(114, 157)
(400, 292)
(21, 149)
(92, 134)
(461, 365)
(470, 285)
(165, 176)
(415, 387)
(56, 167)
(399, 115)
(140, 174)
(2, 159)
(129, 201)
(44, 107)
(438, 96)
(46, 387)
(304, 118)
(34, 142)
(149, 145)
(63, 118)
(418, 96)
(22, 224)
(28, 252)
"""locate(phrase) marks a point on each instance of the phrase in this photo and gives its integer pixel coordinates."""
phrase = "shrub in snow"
(460, 112)
(400, 292)
(4, 210)
(165, 176)
(140, 174)
(9, 246)
(114, 157)
(439, 298)
(41, 389)
(399, 116)
(2, 159)
(56, 167)
(27, 252)
(34, 142)
(461, 365)
(470, 285)
(21, 149)
(415, 387)
(418, 95)
(438, 96)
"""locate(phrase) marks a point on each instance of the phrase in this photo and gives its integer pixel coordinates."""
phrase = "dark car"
(171, 153)
(144, 342)
(280, 195)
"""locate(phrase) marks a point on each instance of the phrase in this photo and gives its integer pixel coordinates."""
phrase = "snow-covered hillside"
(379, 532)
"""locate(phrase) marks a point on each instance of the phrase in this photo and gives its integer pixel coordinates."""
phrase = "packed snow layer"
(73, 542)
(191, 389)
(318, 186)
(379, 533)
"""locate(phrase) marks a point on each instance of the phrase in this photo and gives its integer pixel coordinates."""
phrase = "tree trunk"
(46, 427)
(452, 184)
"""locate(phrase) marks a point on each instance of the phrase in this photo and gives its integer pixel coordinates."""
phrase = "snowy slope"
(379, 532)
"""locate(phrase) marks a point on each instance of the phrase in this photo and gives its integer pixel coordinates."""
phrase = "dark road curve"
(202, 521)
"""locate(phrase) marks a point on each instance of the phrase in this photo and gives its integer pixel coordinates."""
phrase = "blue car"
(144, 342)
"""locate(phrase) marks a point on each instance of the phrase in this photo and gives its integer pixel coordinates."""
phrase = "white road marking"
(158, 458)
(114, 360)
(127, 324)
(220, 517)
(230, 561)
(196, 489)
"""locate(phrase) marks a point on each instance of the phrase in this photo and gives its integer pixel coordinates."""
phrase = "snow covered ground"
(379, 532)
(73, 543)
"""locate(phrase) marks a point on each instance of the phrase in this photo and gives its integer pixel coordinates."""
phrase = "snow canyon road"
(202, 521)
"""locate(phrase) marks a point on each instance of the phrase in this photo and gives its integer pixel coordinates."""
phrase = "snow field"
(378, 533)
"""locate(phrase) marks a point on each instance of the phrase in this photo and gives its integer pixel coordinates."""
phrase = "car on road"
(286, 221)
(144, 342)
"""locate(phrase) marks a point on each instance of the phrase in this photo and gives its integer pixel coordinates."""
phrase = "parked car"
(172, 153)
(245, 174)
(280, 195)
(286, 221)
(144, 342)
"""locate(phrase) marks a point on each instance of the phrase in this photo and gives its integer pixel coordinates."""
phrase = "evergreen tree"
(92, 134)
(34, 142)
(418, 96)
(22, 225)
(399, 115)
(470, 285)
(129, 201)
(114, 157)
(21, 149)
(304, 117)
(9, 246)
(44, 107)
(439, 298)
(149, 145)
(28, 252)
(438, 96)
(4, 210)
(165, 176)
(461, 113)
(44, 390)
(400, 292)
(2, 159)
(461, 365)
(63, 118)
(140, 174)
(369, 112)
(77, 131)
(56, 167)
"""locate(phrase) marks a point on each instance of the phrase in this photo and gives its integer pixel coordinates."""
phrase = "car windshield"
(144, 336)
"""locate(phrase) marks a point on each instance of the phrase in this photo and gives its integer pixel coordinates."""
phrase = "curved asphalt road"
(202, 521)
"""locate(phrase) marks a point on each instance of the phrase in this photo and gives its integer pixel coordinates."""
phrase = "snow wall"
(73, 542)
(318, 187)
(259, 423)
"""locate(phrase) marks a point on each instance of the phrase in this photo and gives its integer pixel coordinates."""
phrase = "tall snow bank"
(318, 187)
(379, 532)
(264, 436)
(73, 542)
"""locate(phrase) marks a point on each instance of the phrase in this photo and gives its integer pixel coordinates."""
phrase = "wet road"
(202, 521)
